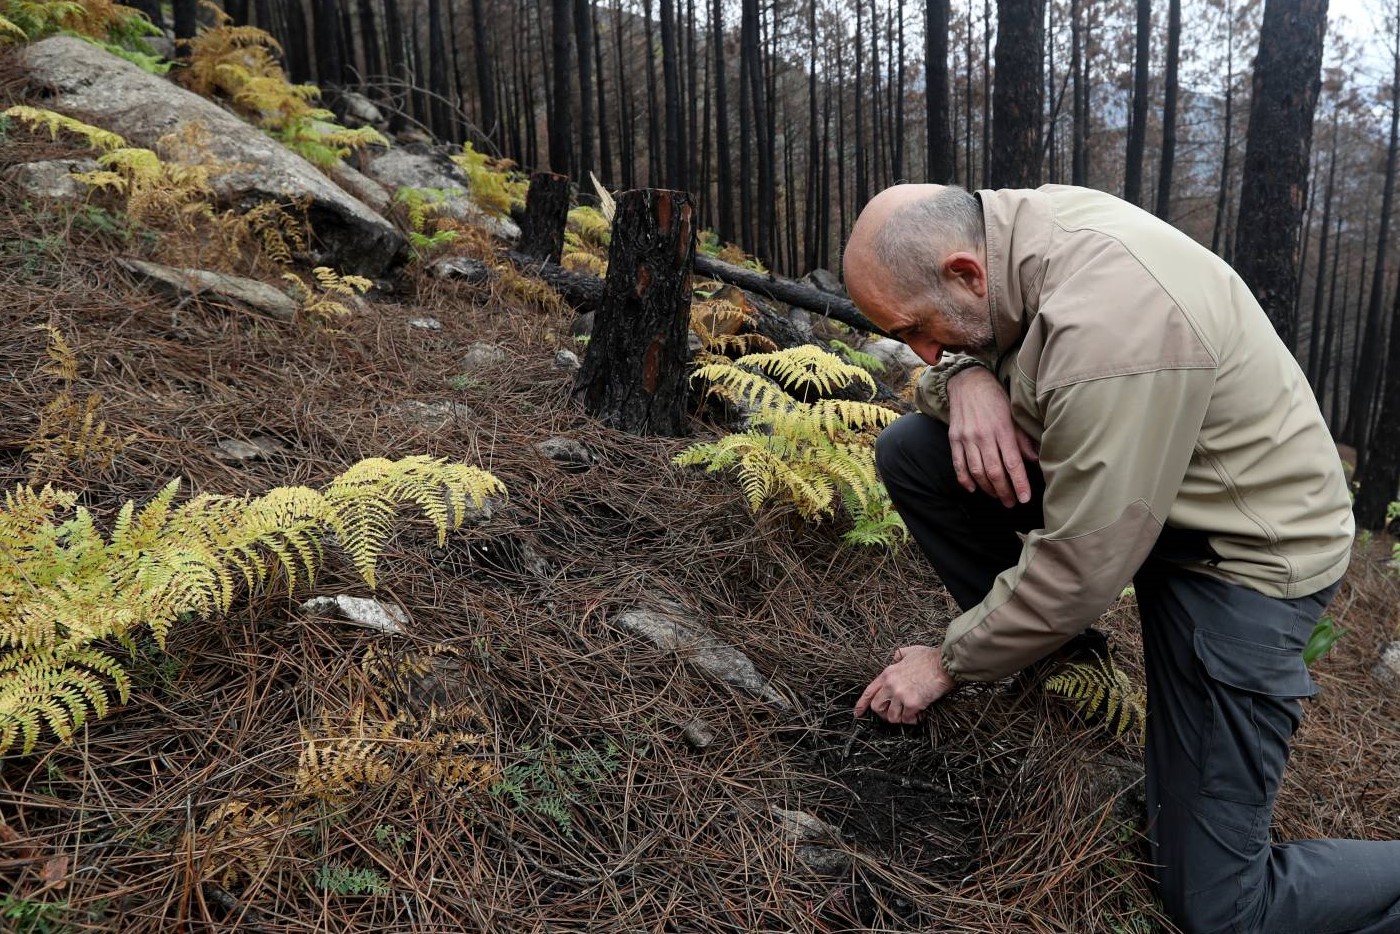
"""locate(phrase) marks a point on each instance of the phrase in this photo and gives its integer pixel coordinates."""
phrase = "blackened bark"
(328, 61)
(1020, 94)
(1287, 76)
(605, 158)
(1315, 355)
(152, 10)
(723, 170)
(752, 52)
(237, 11)
(486, 88)
(583, 34)
(1378, 473)
(836, 307)
(941, 160)
(1137, 127)
(671, 79)
(546, 212)
(374, 58)
(635, 375)
(1079, 158)
(561, 131)
(185, 12)
(440, 106)
(1164, 177)
(396, 56)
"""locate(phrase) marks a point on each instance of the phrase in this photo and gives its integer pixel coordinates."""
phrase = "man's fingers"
(960, 469)
(898, 655)
(1027, 447)
(1019, 485)
(863, 704)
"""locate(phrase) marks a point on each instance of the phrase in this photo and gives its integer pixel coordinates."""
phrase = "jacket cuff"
(931, 396)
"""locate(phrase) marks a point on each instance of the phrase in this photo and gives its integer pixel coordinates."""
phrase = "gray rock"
(435, 415)
(698, 733)
(824, 280)
(421, 167)
(361, 611)
(801, 827)
(689, 639)
(1387, 670)
(201, 283)
(574, 456)
(583, 325)
(460, 267)
(483, 356)
(824, 861)
(567, 361)
(255, 448)
(78, 78)
(52, 179)
(895, 355)
(361, 186)
(356, 110)
(425, 324)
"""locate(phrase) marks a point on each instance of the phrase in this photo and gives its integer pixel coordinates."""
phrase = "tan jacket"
(1160, 395)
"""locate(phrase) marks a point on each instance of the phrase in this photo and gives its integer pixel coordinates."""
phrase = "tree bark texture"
(941, 167)
(546, 213)
(1287, 76)
(1019, 96)
(561, 130)
(634, 377)
(1137, 127)
(185, 12)
(1164, 177)
(1378, 473)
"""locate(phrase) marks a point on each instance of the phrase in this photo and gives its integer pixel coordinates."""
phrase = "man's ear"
(967, 269)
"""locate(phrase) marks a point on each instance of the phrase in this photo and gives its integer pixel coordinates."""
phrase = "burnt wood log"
(635, 375)
(546, 213)
(786, 291)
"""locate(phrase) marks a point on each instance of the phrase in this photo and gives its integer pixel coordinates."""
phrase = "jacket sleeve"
(1114, 452)
(931, 393)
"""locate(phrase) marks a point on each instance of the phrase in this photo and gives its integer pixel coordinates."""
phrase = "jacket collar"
(1018, 223)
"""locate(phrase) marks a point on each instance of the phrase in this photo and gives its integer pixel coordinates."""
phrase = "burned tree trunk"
(546, 211)
(634, 376)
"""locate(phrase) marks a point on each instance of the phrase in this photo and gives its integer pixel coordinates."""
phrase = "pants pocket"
(1253, 690)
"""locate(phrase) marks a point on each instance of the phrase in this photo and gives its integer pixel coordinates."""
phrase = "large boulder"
(420, 166)
(84, 81)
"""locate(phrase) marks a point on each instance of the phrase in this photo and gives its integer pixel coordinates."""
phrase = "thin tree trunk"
(1164, 177)
(1079, 158)
(725, 195)
(1287, 76)
(561, 130)
(655, 166)
(489, 119)
(395, 57)
(440, 108)
(583, 34)
(813, 200)
(605, 153)
(1378, 468)
(1020, 93)
(862, 180)
(940, 140)
(1137, 127)
(186, 23)
(1315, 355)
(670, 70)
(987, 93)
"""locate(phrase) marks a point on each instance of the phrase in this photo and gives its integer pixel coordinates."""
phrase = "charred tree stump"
(634, 377)
(546, 212)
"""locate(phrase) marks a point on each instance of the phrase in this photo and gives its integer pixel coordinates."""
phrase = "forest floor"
(588, 810)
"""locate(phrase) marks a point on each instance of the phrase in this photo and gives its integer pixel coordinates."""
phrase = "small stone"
(699, 734)
(483, 356)
(824, 280)
(435, 414)
(582, 325)
(824, 861)
(255, 448)
(802, 827)
(425, 324)
(689, 639)
(573, 456)
(1387, 670)
(566, 360)
(362, 611)
(460, 267)
(53, 179)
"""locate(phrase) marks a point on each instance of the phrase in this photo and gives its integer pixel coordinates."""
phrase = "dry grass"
(1000, 814)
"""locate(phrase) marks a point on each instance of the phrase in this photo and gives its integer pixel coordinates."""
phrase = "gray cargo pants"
(1224, 678)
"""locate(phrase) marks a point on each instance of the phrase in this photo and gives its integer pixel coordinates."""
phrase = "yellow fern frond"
(808, 367)
(9, 29)
(580, 261)
(37, 117)
(1101, 689)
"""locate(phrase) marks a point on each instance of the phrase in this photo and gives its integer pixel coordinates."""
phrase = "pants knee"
(913, 452)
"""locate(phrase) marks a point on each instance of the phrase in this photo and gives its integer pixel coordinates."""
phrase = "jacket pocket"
(1253, 690)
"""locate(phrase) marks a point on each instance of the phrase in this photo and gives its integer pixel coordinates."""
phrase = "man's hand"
(989, 451)
(914, 680)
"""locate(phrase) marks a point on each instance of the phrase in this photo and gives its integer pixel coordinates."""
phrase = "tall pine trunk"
(941, 159)
(1164, 177)
(1287, 76)
(1020, 94)
(1137, 126)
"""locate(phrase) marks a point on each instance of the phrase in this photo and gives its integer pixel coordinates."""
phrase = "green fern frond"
(1101, 689)
(859, 358)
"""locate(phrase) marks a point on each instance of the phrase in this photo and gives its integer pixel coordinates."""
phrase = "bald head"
(905, 232)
